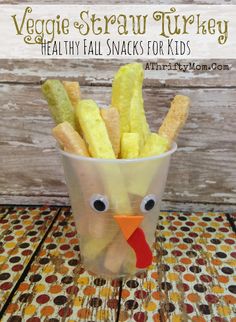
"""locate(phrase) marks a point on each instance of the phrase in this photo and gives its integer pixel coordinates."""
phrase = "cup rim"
(90, 159)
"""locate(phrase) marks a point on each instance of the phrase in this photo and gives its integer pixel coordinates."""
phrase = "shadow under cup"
(101, 190)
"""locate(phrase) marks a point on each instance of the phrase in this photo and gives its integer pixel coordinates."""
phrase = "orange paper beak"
(128, 224)
(135, 237)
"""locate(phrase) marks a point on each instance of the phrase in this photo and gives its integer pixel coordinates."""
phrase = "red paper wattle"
(142, 250)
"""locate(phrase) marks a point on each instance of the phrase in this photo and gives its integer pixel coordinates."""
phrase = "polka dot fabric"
(21, 230)
(57, 288)
(192, 277)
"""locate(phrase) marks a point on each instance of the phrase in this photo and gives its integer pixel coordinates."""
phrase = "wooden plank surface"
(21, 231)
(203, 170)
(165, 205)
(57, 288)
(192, 275)
(101, 72)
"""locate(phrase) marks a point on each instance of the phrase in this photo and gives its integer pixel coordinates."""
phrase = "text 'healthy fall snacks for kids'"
(110, 134)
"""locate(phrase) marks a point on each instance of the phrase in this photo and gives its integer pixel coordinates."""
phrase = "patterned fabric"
(193, 274)
(57, 288)
(192, 277)
(21, 231)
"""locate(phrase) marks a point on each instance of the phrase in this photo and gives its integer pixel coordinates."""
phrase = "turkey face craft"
(115, 168)
(130, 226)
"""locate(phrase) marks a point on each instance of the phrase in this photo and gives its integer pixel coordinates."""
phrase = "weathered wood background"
(203, 171)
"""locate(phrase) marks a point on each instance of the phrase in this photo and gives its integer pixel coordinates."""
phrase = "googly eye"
(148, 203)
(99, 203)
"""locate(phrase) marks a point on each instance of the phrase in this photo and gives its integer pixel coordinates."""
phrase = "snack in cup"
(138, 122)
(73, 91)
(68, 138)
(111, 119)
(175, 118)
(73, 143)
(94, 129)
(127, 79)
(118, 246)
(129, 264)
(154, 145)
(157, 144)
(58, 101)
(130, 143)
(99, 144)
(115, 240)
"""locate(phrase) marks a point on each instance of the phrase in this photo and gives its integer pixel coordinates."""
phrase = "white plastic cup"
(101, 191)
